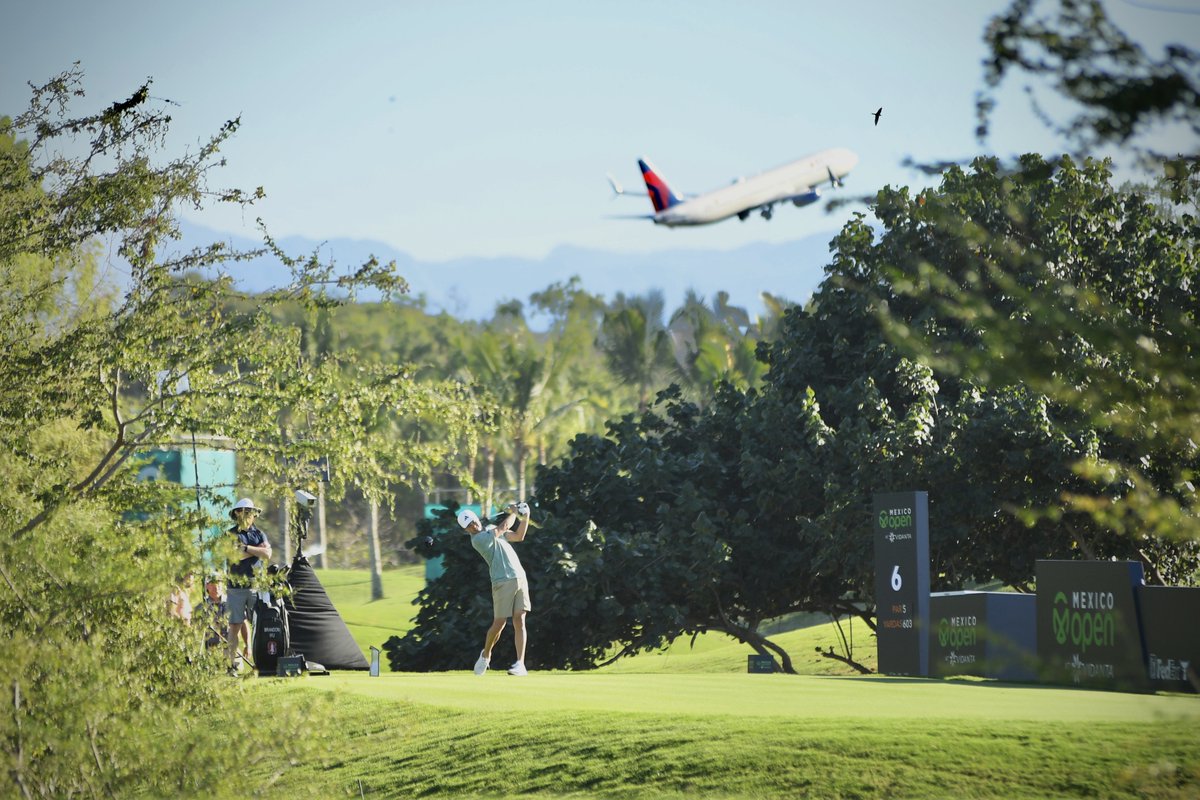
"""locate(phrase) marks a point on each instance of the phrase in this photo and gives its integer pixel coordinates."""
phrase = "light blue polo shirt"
(503, 564)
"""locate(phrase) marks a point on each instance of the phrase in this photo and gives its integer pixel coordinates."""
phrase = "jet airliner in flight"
(796, 183)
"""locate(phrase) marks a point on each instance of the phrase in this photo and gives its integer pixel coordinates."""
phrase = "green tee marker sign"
(901, 526)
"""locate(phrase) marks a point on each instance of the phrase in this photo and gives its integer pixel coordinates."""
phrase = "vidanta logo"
(1086, 620)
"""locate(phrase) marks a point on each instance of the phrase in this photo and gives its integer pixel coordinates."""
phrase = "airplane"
(795, 183)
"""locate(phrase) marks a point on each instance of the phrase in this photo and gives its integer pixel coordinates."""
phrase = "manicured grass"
(689, 722)
(629, 736)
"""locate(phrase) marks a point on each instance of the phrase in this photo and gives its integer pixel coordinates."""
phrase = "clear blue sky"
(448, 129)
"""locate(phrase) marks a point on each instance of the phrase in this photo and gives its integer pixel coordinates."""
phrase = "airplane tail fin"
(660, 194)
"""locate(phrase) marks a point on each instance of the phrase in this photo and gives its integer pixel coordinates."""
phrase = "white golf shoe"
(481, 664)
(518, 669)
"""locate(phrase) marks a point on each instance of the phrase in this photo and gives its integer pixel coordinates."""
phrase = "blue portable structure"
(433, 566)
(209, 469)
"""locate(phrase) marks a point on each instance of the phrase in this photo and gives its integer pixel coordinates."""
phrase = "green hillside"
(373, 622)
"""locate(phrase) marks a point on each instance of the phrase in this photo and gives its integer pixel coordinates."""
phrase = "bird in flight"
(877, 114)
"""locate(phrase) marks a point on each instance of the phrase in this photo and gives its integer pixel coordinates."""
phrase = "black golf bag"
(272, 640)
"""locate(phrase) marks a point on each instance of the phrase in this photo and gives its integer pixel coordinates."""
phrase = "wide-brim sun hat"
(245, 502)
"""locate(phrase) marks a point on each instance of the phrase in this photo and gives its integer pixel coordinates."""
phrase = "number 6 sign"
(901, 531)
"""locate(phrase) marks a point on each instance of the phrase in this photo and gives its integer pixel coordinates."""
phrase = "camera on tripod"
(305, 503)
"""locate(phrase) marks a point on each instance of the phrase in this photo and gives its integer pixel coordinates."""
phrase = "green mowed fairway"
(768, 696)
(690, 722)
(592, 734)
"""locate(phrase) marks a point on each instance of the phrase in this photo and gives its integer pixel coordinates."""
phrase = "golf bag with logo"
(272, 640)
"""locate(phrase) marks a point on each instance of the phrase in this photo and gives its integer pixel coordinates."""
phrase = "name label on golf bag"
(271, 637)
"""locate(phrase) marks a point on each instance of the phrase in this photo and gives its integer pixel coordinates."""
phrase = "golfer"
(252, 545)
(510, 590)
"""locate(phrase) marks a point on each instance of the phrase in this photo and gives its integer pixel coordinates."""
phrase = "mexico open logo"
(895, 518)
(1085, 620)
(958, 632)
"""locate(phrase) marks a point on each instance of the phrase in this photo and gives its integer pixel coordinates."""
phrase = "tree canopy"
(100, 683)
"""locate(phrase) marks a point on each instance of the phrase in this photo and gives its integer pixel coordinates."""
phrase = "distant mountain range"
(470, 288)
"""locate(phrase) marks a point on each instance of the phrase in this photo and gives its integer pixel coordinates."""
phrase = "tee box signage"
(900, 521)
(1088, 629)
(1172, 635)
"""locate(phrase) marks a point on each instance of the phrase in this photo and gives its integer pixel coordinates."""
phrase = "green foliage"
(102, 688)
(643, 535)
(686, 519)
(1120, 91)
(636, 343)
(1085, 295)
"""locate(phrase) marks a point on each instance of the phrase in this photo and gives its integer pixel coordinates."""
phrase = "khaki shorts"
(240, 602)
(509, 597)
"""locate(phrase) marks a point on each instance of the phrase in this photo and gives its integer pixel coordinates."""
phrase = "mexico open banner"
(1088, 628)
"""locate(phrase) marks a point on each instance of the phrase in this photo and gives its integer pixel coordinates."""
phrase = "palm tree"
(636, 343)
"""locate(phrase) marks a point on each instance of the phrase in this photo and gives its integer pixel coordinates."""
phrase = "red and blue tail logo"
(660, 194)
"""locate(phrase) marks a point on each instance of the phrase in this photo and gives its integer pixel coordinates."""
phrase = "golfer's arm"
(519, 534)
(505, 524)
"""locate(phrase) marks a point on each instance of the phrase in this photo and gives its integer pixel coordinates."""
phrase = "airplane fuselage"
(793, 182)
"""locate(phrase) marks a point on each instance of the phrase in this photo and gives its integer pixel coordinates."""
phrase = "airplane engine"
(806, 199)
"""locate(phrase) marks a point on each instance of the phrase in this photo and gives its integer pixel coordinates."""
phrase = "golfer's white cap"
(466, 517)
(245, 502)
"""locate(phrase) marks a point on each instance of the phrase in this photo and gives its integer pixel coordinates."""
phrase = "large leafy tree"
(1097, 313)
(985, 447)
(101, 685)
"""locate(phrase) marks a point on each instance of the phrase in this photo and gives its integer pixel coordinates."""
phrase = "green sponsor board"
(900, 524)
(760, 663)
(989, 634)
(1088, 630)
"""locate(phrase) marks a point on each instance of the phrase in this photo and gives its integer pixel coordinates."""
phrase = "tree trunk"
(522, 457)
(471, 472)
(319, 563)
(285, 529)
(490, 485)
(376, 567)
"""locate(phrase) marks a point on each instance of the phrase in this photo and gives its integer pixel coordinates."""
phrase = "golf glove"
(523, 509)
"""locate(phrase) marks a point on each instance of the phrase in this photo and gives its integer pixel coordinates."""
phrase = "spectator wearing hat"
(215, 613)
(510, 589)
(252, 546)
